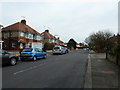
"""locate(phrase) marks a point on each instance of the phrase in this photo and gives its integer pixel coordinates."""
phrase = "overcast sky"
(67, 19)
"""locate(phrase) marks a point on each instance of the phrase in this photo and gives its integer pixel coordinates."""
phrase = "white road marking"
(26, 69)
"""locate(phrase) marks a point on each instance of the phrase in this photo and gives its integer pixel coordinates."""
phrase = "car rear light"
(32, 53)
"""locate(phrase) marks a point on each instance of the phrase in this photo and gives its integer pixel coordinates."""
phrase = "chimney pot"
(47, 31)
(23, 21)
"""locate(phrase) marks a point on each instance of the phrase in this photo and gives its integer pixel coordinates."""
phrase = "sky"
(66, 19)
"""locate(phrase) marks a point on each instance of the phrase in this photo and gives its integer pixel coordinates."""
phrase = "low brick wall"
(114, 58)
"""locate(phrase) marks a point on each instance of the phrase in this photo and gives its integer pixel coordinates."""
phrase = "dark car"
(7, 58)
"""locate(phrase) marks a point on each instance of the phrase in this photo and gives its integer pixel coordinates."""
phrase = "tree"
(116, 49)
(48, 46)
(100, 41)
(71, 44)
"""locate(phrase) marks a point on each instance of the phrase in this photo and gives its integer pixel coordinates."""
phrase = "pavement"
(101, 73)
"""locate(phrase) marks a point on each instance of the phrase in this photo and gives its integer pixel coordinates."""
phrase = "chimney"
(23, 22)
(58, 38)
(47, 31)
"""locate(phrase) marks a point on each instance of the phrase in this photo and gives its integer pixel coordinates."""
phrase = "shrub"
(48, 46)
(116, 49)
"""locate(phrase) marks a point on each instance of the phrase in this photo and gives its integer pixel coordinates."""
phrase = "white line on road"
(26, 69)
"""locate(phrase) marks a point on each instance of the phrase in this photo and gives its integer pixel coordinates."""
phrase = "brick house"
(61, 43)
(115, 39)
(49, 37)
(1, 39)
(19, 35)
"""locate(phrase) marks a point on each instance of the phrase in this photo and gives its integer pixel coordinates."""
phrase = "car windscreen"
(56, 47)
(27, 50)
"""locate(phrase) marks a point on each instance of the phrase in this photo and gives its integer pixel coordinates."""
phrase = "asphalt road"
(57, 71)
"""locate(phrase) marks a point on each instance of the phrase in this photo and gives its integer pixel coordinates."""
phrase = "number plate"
(25, 54)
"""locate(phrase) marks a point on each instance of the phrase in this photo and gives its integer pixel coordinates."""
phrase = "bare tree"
(100, 40)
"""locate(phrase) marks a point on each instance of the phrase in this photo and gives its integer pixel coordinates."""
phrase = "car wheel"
(34, 58)
(67, 51)
(13, 61)
(61, 53)
(45, 56)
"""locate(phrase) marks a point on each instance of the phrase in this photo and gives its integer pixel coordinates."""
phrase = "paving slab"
(104, 74)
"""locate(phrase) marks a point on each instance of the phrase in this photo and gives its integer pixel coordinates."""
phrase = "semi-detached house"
(49, 38)
(1, 39)
(19, 36)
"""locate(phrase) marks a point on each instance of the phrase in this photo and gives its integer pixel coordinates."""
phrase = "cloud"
(64, 18)
(61, 1)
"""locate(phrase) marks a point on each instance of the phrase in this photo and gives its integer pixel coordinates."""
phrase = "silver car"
(58, 50)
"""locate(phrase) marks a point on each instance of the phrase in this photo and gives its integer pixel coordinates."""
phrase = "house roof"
(115, 38)
(20, 26)
(48, 35)
(61, 41)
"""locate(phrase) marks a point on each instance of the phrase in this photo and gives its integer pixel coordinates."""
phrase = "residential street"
(57, 71)
(52, 44)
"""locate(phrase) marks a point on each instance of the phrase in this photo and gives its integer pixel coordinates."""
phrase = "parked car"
(59, 50)
(32, 54)
(7, 58)
(66, 50)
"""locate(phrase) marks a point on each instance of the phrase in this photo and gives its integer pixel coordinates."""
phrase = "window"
(53, 40)
(56, 41)
(13, 34)
(0, 51)
(29, 45)
(36, 50)
(29, 35)
(26, 35)
(21, 46)
(4, 52)
(27, 50)
(22, 34)
(13, 45)
(37, 37)
(39, 50)
(6, 35)
(56, 47)
(0, 45)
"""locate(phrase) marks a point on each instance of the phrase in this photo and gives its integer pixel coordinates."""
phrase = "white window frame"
(22, 34)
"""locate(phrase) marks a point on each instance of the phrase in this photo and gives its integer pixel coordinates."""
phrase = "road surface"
(57, 71)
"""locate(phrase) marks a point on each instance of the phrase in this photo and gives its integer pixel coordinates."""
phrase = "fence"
(114, 58)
